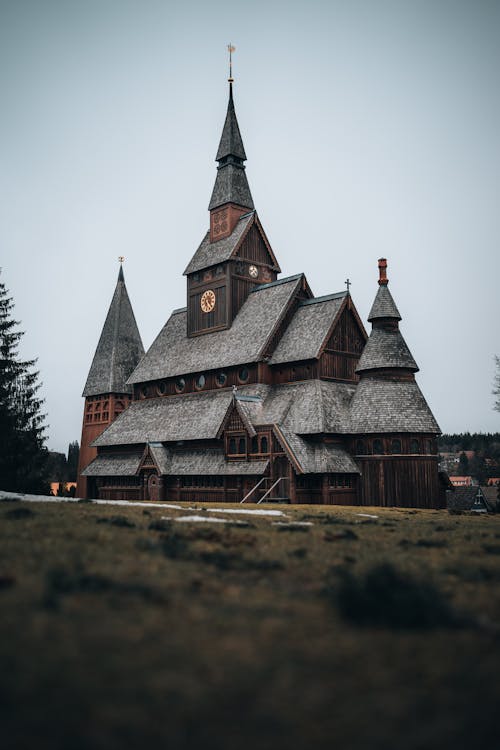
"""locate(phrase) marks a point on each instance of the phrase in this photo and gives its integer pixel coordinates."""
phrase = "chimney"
(382, 271)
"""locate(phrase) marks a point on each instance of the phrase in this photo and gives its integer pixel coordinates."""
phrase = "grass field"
(120, 629)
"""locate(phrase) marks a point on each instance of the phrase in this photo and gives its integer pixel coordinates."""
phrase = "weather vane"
(231, 49)
(121, 258)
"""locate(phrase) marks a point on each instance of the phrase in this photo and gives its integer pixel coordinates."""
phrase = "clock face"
(253, 271)
(207, 301)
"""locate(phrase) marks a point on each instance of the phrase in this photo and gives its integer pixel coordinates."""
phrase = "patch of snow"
(365, 515)
(292, 524)
(247, 511)
(196, 519)
(141, 504)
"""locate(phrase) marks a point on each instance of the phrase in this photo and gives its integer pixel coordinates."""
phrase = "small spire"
(382, 271)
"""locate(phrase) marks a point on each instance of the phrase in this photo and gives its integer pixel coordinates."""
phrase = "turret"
(106, 393)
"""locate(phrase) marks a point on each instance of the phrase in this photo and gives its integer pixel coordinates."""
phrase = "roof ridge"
(276, 283)
(324, 298)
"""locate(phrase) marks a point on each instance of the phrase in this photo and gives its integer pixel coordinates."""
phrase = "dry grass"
(127, 630)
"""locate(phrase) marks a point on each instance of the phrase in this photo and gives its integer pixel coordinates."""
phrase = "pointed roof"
(231, 143)
(385, 350)
(384, 305)
(119, 349)
(231, 184)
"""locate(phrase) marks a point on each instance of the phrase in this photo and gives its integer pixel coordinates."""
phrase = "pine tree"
(23, 457)
(496, 384)
(72, 465)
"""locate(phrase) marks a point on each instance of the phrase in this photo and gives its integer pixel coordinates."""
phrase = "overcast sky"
(371, 129)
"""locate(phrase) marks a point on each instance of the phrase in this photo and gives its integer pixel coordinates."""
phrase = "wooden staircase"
(268, 497)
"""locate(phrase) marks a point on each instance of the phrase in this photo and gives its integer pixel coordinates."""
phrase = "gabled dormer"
(235, 254)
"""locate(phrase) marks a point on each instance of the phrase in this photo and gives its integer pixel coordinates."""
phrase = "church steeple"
(119, 349)
(231, 195)
(106, 392)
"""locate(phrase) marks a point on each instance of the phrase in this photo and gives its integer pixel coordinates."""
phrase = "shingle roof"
(464, 498)
(212, 462)
(119, 349)
(308, 407)
(386, 349)
(308, 329)
(318, 458)
(210, 254)
(386, 406)
(384, 305)
(176, 463)
(231, 143)
(113, 465)
(231, 186)
(173, 353)
(195, 416)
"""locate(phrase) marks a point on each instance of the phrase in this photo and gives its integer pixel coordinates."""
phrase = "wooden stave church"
(256, 390)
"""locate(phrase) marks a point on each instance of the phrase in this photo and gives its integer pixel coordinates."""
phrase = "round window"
(180, 384)
(221, 379)
(161, 388)
(200, 382)
(244, 374)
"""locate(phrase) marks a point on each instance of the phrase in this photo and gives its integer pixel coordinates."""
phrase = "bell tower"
(235, 255)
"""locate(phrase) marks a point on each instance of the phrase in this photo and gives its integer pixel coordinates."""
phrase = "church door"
(154, 488)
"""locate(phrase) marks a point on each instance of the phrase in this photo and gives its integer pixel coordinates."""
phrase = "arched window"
(378, 446)
(255, 444)
(428, 447)
(360, 448)
(414, 446)
(396, 446)
(263, 445)
(242, 445)
(243, 374)
(232, 445)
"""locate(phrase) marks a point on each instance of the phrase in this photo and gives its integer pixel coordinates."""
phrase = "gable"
(348, 334)
(254, 248)
(236, 420)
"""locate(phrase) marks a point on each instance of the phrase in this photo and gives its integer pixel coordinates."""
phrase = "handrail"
(253, 490)
(270, 490)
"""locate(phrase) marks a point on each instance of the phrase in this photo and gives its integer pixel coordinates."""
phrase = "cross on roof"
(348, 283)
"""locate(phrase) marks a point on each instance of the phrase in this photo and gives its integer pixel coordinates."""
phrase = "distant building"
(468, 499)
(461, 481)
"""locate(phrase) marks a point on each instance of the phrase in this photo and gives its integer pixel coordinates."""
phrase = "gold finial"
(121, 258)
(231, 49)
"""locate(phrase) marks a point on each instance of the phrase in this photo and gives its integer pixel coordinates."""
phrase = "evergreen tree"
(496, 384)
(72, 465)
(463, 465)
(23, 457)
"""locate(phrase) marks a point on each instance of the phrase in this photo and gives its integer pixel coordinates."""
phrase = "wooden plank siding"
(400, 481)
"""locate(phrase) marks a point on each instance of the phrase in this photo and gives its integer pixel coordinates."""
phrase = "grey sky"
(371, 128)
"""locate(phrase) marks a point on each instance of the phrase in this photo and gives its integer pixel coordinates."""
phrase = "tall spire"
(231, 184)
(119, 349)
